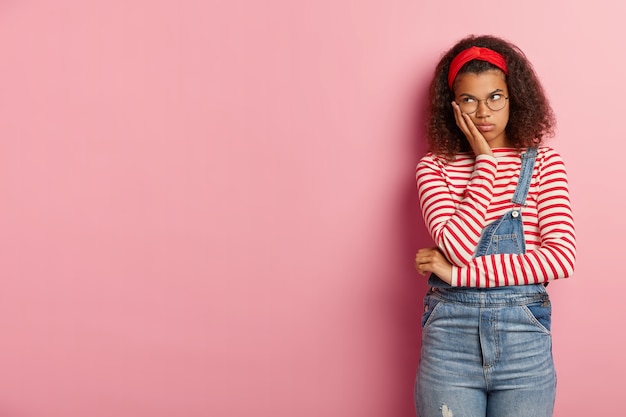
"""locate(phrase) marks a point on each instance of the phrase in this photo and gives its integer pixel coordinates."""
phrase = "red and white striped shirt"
(460, 197)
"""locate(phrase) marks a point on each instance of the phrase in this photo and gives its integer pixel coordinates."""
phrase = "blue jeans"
(486, 353)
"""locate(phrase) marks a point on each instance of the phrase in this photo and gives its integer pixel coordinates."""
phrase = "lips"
(485, 127)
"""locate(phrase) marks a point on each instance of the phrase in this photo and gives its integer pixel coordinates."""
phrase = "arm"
(455, 230)
(556, 255)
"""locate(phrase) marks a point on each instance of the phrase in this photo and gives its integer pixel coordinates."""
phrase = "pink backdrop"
(208, 208)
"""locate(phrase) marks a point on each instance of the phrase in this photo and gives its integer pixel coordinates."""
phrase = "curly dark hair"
(531, 118)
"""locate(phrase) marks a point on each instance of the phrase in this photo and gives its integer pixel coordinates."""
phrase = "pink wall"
(209, 209)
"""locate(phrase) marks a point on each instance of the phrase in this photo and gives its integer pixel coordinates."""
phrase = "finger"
(426, 255)
(423, 261)
(427, 250)
(423, 257)
(417, 267)
(423, 269)
(460, 120)
(475, 138)
(422, 264)
(472, 127)
(466, 124)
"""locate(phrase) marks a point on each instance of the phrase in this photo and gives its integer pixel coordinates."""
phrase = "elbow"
(568, 271)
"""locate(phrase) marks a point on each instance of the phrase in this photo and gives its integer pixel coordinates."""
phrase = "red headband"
(470, 54)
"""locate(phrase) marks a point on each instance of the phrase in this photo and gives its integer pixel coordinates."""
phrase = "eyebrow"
(499, 90)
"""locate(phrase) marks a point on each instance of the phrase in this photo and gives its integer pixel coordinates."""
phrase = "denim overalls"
(488, 351)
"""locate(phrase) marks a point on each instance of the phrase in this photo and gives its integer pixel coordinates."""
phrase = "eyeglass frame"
(486, 100)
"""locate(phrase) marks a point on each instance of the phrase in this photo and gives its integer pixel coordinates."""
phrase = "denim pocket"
(430, 305)
(508, 243)
(540, 313)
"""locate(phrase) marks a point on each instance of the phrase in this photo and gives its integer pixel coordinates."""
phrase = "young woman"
(496, 203)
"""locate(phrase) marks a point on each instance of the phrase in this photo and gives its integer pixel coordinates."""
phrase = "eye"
(468, 100)
(495, 97)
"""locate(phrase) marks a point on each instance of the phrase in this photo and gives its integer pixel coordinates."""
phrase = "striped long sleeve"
(460, 197)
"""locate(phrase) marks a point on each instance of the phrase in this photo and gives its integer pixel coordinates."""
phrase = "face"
(471, 88)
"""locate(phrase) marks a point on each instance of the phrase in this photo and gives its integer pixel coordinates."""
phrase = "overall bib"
(487, 352)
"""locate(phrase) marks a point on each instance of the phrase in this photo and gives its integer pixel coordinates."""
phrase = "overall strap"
(525, 176)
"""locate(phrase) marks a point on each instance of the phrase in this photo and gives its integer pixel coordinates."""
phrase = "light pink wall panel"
(208, 208)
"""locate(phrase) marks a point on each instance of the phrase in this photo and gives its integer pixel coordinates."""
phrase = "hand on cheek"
(476, 139)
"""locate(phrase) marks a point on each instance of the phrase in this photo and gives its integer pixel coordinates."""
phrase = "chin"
(497, 142)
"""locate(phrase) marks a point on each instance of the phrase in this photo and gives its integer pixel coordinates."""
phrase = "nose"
(482, 110)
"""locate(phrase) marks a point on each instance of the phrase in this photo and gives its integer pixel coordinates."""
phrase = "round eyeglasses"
(469, 104)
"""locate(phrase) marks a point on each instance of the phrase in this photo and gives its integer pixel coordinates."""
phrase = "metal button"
(515, 213)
